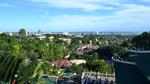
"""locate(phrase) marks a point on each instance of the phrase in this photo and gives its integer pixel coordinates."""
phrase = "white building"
(77, 62)
(68, 40)
(41, 37)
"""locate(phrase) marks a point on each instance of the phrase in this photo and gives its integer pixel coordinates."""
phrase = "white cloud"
(127, 16)
(134, 10)
(131, 17)
(86, 5)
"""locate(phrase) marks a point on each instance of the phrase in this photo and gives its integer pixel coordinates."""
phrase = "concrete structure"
(42, 37)
(81, 49)
(78, 62)
(135, 71)
(68, 40)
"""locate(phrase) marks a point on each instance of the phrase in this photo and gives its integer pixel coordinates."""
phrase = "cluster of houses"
(66, 63)
(81, 49)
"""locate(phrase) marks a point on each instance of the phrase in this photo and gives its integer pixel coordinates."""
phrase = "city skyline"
(75, 15)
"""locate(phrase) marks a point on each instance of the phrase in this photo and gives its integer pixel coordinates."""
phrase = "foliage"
(141, 42)
(99, 65)
(77, 68)
(75, 42)
(22, 32)
(26, 72)
(107, 52)
(8, 66)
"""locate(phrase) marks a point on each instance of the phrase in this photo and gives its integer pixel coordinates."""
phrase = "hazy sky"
(75, 15)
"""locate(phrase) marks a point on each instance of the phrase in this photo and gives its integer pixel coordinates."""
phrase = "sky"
(75, 15)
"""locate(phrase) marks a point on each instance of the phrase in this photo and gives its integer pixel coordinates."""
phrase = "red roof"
(13, 82)
(62, 63)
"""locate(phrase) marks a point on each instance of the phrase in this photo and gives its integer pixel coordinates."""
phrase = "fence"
(99, 75)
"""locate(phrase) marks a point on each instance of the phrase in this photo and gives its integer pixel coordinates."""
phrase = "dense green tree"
(9, 66)
(22, 32)
(99, 65)
(4, 35)
(75, 42)
(141, 42)
(56, 51)
(26, 72)
(46, 67)
(77, 69)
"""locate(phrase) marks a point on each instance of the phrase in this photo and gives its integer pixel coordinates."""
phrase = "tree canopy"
(142, 41)
(22, 32)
